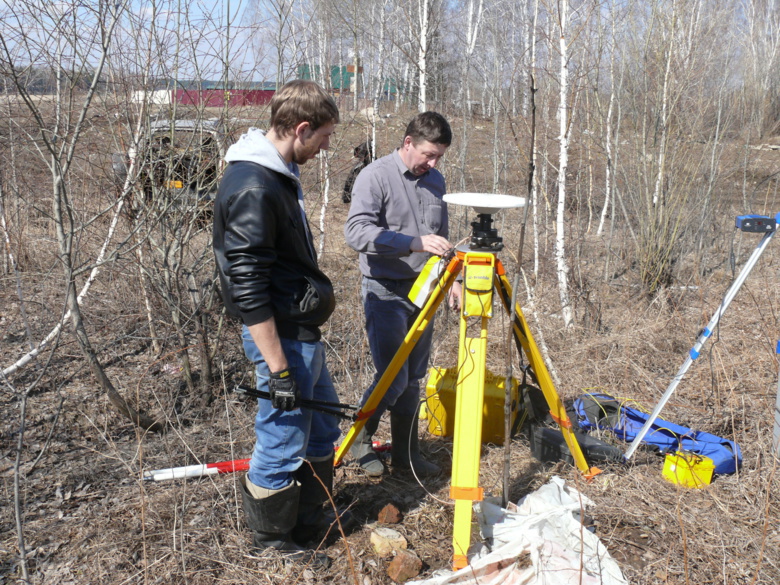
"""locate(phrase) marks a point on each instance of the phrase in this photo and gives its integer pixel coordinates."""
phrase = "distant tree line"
(39, 80)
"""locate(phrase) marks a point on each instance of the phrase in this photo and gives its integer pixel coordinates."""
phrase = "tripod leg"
(467, 443)
(534, 356)
(477, 303)
(420, 324)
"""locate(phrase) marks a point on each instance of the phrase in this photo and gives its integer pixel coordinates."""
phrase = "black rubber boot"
(363, 450)
(406, 446)
(314, 520)
(272, 520)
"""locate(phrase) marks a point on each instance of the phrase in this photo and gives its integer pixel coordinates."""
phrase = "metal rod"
(696, 349)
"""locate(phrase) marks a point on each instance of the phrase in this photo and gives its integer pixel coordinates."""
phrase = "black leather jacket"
(265, 255)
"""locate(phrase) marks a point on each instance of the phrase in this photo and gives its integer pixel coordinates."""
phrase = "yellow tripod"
(483, 274)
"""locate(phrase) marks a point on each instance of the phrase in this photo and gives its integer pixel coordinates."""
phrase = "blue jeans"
(389, 317)
(284, 439)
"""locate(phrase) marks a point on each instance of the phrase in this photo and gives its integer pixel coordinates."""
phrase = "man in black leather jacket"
(271, 281)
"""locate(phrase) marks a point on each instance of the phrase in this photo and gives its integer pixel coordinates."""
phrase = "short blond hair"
(302, 101)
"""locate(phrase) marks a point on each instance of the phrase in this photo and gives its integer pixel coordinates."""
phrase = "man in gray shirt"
(396, 221)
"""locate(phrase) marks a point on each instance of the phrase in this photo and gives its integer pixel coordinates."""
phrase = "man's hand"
(430, 243)
(283, 390)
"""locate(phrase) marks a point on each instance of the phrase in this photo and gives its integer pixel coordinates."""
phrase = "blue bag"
(601, 411)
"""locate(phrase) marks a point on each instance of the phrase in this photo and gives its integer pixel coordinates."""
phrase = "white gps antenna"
(483, 236)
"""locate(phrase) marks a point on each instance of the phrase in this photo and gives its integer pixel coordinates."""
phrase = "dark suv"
(179, 162)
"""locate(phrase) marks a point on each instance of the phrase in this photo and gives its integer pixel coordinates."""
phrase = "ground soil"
(88, 517)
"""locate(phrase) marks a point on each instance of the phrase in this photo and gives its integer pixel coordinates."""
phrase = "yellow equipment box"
(440, 404)
(688, 469)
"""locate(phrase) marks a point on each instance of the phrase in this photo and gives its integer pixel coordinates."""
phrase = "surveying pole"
(220, 467)
(745, 223)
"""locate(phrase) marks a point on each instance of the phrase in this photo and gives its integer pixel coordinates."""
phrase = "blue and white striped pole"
(696, 349)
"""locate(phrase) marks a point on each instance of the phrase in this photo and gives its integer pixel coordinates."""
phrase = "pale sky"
(193, 38)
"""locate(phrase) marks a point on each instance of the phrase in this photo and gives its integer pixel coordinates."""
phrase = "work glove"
(284, 390)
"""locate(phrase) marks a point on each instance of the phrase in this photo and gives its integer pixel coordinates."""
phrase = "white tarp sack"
(540, 542)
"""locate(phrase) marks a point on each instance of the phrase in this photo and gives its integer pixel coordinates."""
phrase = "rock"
(404, 566)
(390, 515)
(387, 540)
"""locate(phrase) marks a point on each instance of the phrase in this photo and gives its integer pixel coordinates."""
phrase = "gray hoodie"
(254, 147)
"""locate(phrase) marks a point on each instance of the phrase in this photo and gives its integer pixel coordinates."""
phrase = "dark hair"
(302, 101)
(364, 152)
(430, 126)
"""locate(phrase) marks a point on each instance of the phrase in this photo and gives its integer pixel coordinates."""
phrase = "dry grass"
(89, 519)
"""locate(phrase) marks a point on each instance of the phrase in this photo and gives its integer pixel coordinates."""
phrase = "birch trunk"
(497, 142)
(325, 181)
(560, 235)
(472, 28)
(323, 158)
(608, 131)
(658, 202)
(532, 106)
(424, 21)
(380, 74)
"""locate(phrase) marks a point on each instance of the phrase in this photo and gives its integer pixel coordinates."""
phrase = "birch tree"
(760, 29)
(608, 163)
(379, 75)
(532, 181)
(275, 19)
(423, 21)
(562, 266)
(473, 21)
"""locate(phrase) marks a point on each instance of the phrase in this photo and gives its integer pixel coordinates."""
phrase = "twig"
(351, 562)
(17, 488)
(765, 529)
(508, 388)
(684, 543)
(48, 438)
(15, 268)
(542, 344)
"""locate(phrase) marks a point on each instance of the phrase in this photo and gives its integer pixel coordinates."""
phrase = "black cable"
(317, 405)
